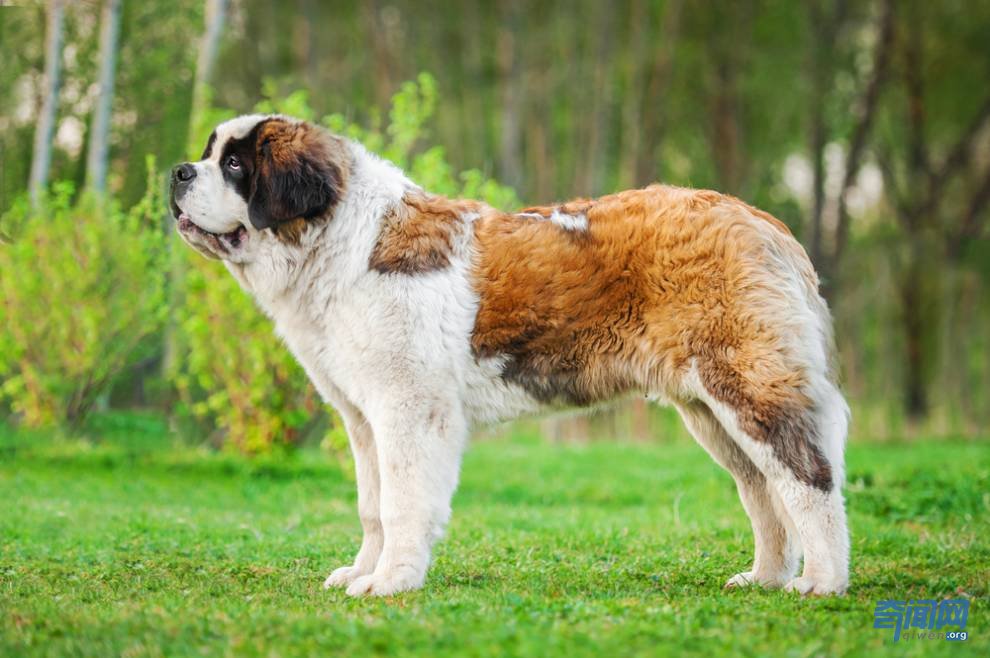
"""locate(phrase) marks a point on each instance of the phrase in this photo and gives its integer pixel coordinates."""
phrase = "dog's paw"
(744, 579)
(751, 578)
(808, 586)
(386, 583)
(343, 577)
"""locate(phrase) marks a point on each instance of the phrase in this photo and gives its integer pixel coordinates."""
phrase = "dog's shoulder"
(422, 233)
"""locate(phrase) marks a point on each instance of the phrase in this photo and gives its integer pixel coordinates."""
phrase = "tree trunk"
(510, 74)
(917, 318)
(914, 319)
(867, 106)
(540, 163)
(216, 13)
(99, 143)
(725, 139)
(306, 27)
(727, 61)
(820, 48)
(815, 228)
(42, 157)
(601, 106)
(653, 101)
(381, 52)
(630, 139)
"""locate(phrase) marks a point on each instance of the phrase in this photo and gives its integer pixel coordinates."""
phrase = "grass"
(135, 547)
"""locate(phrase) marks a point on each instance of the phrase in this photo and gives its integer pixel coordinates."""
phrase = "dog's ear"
(294, 174)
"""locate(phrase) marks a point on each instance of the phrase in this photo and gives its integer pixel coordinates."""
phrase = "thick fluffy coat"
(418, 316)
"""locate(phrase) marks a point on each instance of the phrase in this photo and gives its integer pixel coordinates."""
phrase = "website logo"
(924, 619)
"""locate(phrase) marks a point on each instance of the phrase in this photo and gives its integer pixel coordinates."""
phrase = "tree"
(650, 115)
(510, 77)
(826, 26)
(939, 202)
(866, 113)
(99, 141)
(45, 131)
(216, 12)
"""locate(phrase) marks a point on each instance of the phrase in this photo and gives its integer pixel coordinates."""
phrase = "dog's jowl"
(418, 316)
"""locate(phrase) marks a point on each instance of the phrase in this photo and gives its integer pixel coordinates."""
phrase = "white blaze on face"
(211, 201)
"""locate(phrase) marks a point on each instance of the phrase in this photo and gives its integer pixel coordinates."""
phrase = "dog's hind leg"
(797, 444)
(776, 547)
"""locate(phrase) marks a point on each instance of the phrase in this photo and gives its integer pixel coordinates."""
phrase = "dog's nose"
(183, 173)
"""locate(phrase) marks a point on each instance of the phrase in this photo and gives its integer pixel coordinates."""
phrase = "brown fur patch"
(301, 172)
(419, 235)
(291, 232)
(779, 415)
(665, 278)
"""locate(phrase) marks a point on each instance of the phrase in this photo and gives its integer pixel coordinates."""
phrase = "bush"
(232, 371)
(83, 288)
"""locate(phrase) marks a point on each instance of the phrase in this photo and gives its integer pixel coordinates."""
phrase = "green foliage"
(594, 550)
(233, 372)
(412, 109)
(82, 291)
(738, 97)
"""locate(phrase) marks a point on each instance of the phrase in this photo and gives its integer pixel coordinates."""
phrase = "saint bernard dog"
(418, 316)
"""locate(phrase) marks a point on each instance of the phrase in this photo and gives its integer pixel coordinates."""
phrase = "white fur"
(392, 354)
(210, 202)
(777, 501)
(578, 222)
(568, 222)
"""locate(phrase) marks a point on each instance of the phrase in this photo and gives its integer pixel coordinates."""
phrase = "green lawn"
(135, 547)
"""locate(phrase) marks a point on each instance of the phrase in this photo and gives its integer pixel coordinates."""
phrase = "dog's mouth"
(221, 242)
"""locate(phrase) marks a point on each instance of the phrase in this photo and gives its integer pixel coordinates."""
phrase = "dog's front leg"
(363, 448)
(419, 443)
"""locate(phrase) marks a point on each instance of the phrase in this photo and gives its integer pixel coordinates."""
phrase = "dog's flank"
(417, 316)
(637, 301)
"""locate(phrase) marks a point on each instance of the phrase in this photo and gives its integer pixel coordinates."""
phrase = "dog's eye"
(233, 163)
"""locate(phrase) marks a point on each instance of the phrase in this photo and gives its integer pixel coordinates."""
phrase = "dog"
(418, 316)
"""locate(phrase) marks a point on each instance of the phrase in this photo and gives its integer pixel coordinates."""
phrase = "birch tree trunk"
(216, 14)
(216, 11)
(42, 157)
(99, 142)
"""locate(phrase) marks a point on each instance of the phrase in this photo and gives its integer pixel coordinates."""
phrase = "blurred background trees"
(863, 124)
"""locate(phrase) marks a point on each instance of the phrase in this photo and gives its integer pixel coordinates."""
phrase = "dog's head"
(257, 175)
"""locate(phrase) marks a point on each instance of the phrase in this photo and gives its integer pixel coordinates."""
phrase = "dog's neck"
(335, 253)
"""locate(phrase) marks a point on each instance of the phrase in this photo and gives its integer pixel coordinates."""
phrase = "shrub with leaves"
(233, 372)
(408, 119)
(82, 289)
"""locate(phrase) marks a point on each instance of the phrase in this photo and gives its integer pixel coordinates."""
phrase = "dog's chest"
(322, 340)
